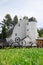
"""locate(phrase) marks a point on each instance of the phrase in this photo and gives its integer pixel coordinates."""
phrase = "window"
(40, 42)
(19, 25)
(17, 39)
(22, 42)
(15, 34)
(27, 23)
(27, 29)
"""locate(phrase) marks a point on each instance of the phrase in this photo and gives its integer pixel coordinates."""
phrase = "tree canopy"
(4, 32)
(15, 20)
(40, 32)
(7, 19)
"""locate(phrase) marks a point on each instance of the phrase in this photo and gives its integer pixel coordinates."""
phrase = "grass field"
(22, 56)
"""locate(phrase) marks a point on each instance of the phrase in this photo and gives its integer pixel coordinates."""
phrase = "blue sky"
(23, 8)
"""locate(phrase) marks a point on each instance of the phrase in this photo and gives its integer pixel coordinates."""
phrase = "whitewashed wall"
(33, 30)
(22, 31)
(19, 30)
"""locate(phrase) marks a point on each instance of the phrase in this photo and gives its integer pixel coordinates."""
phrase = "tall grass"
(22, 56)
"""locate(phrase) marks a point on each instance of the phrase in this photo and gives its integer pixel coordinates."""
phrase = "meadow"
(21, 56)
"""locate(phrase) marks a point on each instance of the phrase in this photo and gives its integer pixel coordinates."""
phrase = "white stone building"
(24, 28)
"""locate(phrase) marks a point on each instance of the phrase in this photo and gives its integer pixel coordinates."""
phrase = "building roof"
(41, 38)
(32, 19)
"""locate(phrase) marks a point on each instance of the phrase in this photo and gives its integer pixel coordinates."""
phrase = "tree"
(4, 32)
(7, 19)
(15, 20)
(0, 36)
(40, 32)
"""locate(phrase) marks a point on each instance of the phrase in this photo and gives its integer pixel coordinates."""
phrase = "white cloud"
(23, 7)
(3, 1)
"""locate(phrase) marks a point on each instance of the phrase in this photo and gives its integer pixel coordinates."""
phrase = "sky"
(23, 8)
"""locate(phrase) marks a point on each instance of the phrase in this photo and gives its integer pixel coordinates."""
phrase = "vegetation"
(40, 32)
(0, 36)
(7, 19)
(4, 32)
(15, 20)
(22, 56)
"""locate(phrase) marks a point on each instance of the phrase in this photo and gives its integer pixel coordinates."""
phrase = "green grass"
(22, 56)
